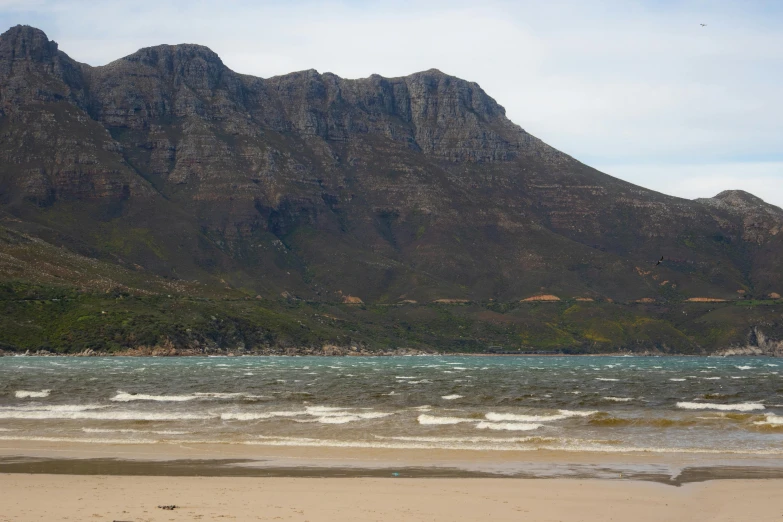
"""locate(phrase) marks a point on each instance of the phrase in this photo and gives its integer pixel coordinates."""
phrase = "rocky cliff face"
(388, 189)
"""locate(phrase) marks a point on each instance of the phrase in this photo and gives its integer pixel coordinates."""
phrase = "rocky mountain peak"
(26, 57)
(169, 55)
(760, 220)
(25, 43)
(739, 201)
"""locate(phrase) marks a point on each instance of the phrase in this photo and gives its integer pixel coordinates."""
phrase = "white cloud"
(611, 82)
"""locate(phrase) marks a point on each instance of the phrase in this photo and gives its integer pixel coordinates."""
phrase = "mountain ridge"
(388, 190)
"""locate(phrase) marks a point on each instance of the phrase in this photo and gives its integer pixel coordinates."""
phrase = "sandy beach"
(121, 498)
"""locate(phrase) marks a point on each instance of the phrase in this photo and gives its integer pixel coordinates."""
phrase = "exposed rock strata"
(393, 189)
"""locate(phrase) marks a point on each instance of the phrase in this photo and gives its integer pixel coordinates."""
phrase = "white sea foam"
(100, 415)
(618, 399)
(743, 367)
(53, 407)
(499, 417)
(329, 415)
(606, 379)
(451, 397)
(578, 413)
(338, 419)
(317, 410)
(711, 378)
(79, 440)
(25, 394)
(745, 406)
(468, 440)
(427, 420)
(771, 420)
(128, 397)
(677, 380)
(218, 395)
(239, 416)
(508, 426)
(513, 417)
(156, 432)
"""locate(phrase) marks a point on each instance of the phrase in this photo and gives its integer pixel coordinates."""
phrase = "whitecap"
(54, 407)
(617, 399)
(771, 420)
(509, 426)
(219, 395)
(25, 394)
(513, 417)
(128, 397)
(322, 409)
(711, 378)
(240, 416)
(156, 432)
(451, 397)
(496, 417)
(743, 367)
(100, 415)
(605, 379)
(745, 406)
(432, 420)
(337, 419)
(578, 413)
(677, 380)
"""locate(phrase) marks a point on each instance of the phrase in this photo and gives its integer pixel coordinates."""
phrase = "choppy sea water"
(604, 404)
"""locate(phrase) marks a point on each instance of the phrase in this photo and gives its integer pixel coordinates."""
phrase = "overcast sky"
(637, 89)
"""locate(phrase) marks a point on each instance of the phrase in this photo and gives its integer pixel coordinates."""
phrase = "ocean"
(699, 405)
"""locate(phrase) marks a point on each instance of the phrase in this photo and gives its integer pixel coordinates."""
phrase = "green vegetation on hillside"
(65, 320)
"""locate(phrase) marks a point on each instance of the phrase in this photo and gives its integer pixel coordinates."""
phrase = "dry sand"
(122, 498)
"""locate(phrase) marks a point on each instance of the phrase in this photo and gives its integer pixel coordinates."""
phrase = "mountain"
(167, 168)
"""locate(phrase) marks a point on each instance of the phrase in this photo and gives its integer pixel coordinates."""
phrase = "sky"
(635, 88)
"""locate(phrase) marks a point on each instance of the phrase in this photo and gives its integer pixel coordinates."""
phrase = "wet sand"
(238, 460)
(125, 498)
(56, 481)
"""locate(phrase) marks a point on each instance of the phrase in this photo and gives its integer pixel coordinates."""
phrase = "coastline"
(406, 352)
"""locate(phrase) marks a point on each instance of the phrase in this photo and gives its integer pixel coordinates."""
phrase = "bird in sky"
(703, 25)
(659, 261)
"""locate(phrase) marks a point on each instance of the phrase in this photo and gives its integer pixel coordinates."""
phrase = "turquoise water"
(615, 404)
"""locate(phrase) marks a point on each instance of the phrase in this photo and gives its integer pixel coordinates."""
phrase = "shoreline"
(228, 460)
(251, 469)
(404, 353)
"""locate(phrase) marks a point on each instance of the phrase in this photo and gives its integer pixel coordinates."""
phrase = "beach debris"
(395, 474)
(172, 507)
